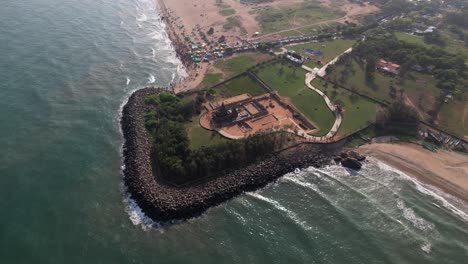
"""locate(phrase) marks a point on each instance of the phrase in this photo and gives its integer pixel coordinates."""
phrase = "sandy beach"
(189, 18)
(445, 170)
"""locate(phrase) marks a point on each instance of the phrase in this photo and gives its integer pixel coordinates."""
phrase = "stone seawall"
(164, 203)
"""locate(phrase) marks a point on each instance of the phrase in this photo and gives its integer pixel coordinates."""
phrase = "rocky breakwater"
(163, 202)
(351, 159)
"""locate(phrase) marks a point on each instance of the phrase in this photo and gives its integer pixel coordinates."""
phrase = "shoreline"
(195, 72)
(165, 203)
(446, 171)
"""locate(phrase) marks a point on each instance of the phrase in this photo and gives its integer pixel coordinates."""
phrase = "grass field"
(289, 81)
(453, 116)
(412, 39)
(358, 112)
(330, 50)
(232, 66)
(238, 86)
(453, 45)
(302, 14)
(290, 33)
(419, 88)
(210, 79)
(317, 28)
(199, 136)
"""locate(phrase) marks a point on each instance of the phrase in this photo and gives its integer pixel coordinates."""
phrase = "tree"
(399, 118)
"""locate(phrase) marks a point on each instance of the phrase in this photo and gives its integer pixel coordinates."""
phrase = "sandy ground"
(201, 15)
(445, 170)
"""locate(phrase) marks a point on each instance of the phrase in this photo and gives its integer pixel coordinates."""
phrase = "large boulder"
(351, 163)
(356, 156)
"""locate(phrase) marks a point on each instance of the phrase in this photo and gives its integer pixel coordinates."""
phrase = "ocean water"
(66, 68)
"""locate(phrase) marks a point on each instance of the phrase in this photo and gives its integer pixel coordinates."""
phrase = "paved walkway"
(310, 76)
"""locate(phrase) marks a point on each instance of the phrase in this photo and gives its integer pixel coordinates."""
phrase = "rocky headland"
(164, 202)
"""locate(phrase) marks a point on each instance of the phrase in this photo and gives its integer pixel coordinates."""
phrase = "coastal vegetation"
(398, 118)
(177, 161)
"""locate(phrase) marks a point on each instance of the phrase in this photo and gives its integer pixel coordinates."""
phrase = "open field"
(228, 67)
(289, 82)
(453, 116)
(199, 136)
(301, 14)
(330, 50)
(412, 39)
(453, 44)
(235, 65)
(210, 79)
(419, 88)
(238, 86)
(358, 111)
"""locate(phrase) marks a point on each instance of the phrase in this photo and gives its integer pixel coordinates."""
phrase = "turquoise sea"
(66, 69)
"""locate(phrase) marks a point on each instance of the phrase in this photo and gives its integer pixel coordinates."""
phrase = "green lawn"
(199, 136)
(232, 66)
(453, 116)
(330, 50)
(308, 12)
(453, 44)
(210, 79)
(238, 86)
(358, 112)
(317, 28)
(412, 39)
(289, 81)
(420, 88)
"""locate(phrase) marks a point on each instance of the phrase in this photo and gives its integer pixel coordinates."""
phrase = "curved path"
(339, 118)
(309, 77)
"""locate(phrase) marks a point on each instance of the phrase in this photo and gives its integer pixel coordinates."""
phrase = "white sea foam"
(427, 247)
(153, 53)
(414, 219)
(142, 18)
(446, 200)
(136, 215)
(128, 81)
(281, 208)
(151, 79)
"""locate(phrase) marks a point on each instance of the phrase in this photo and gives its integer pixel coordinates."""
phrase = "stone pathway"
(310, 76)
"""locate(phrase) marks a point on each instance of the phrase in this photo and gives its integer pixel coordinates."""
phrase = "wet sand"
(445, 170)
